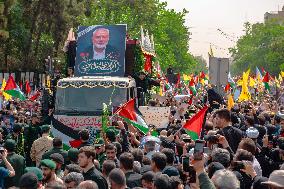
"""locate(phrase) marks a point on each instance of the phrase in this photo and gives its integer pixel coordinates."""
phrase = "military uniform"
(19, 143)
(101, 158)
(39, 147)
(32, 132)
(52, 166)
(17, 162)
(64, 153)
(73, 155)
(99, 142)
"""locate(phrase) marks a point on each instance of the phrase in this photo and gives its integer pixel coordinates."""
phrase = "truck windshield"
(88, 99)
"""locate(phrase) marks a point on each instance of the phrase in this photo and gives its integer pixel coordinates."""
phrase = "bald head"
(88, 185)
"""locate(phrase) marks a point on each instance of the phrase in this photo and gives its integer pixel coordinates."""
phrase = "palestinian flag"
(6, 96)
(194, 125)
(13, 89)
(192, 87)
(35, 96)
(265, 81)
(148, 63)
(202, 75)
(167, 85)
(231, 81)
(28, 87)
(132, 115)
(228, 87)
(206, 78)
(258, 74)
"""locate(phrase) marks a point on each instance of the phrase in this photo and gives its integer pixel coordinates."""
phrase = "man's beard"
(98, 46)
(46, 178)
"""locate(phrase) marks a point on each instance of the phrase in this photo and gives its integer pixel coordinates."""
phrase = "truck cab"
(85, 95)
(79, 102)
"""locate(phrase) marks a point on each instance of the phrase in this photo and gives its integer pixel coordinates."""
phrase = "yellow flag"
(161, 90)
(247, 73)
(240, 82)
(231, 102)
(6, 96)
(280, 78)
(48, 84)
(282, 74)
(245, 94)
(186, 77)
(202, 82)
(251, 82)
(277, 83)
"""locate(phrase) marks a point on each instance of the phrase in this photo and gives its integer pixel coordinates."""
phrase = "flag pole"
(178, 131)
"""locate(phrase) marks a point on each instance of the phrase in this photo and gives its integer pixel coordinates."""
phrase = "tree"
(168, 27)
(199, 65)
(262, 46)
(38, 28)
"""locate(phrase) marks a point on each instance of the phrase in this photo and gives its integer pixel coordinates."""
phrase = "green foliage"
(262, 46)
(199, 65)
(139, 59)
(171, 36)
(38, 28)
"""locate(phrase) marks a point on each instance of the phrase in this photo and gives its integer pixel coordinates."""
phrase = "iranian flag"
(192, 87)
(132, 115)
(13, 89)
(194, 125)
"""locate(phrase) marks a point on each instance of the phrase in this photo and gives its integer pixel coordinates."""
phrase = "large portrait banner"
(100, 50)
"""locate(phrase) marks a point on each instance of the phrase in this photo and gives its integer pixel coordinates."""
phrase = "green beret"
(35, 171)
(45, 128)
(48, 163)
(99, 142)
(10, 144)
(111, 130)
(73, 154)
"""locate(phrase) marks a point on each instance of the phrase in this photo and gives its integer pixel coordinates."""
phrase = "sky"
(205, 17)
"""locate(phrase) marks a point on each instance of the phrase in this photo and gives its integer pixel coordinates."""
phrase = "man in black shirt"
(232, 134)
(86, 161)
(133, 179)
(84, 136)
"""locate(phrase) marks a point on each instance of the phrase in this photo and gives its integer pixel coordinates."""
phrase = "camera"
(214, 139)
(238, 165)
(187, 140)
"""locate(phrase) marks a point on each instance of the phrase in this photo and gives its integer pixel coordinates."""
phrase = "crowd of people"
(243, 148)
